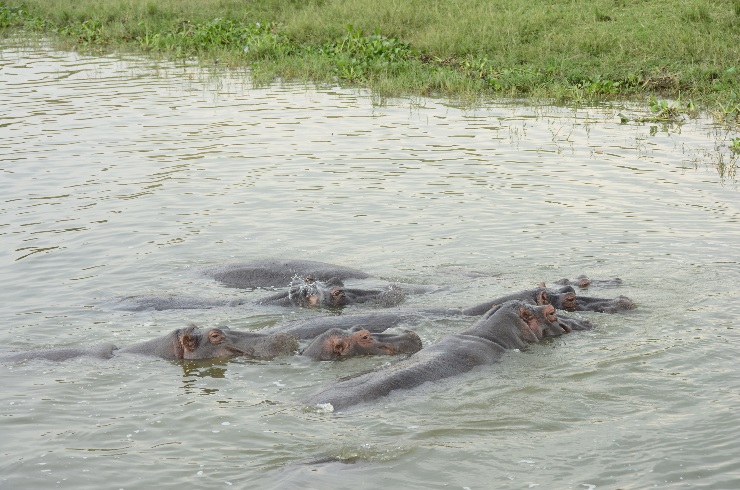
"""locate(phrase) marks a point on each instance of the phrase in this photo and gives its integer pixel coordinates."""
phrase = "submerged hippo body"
(512, 325)
(103, 351)
(184, 343)
(337, 344)
(169, 302)
(277, 273)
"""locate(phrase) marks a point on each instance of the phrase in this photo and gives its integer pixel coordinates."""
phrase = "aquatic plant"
(668, 112)
(257, 40)
(356, 56)
(10, 16)
(729, 111)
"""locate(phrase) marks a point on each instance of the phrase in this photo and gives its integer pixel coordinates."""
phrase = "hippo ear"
(216, 336)
(189, 342)
(339, 346)
(542, 298)
(530, 324)
(525, 314)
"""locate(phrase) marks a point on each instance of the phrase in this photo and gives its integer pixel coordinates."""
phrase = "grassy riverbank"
(684, 50)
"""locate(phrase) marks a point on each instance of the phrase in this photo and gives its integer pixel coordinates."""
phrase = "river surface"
(121, 175)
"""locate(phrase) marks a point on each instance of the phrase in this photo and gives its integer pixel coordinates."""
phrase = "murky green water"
(126, 176)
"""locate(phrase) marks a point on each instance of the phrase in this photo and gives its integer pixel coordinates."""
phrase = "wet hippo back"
(276, 273)
(103, 351)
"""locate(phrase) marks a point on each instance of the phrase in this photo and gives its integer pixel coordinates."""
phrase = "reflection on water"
(124, 176)
(192, 371)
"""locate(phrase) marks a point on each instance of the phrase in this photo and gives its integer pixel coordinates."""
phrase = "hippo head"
(562, 299)
(193, 343)
(337, 344)
(308, 292)
(565, 299)
(516, 323)
(581, 281)
(539, 322)
(224, 342)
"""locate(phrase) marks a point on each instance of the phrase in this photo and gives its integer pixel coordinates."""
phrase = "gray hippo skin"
(512, 325)
(337, 344)
(183, 343)
(584, 282)
(277, 273)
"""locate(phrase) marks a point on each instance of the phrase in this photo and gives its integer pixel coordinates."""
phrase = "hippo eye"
(215, 336)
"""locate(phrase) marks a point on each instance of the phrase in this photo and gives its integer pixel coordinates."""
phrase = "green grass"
(561, 50)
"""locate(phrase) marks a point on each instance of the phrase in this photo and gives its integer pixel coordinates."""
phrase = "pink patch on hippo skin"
(534, 326)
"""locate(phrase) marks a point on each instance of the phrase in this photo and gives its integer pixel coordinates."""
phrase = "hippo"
(276, 273)
(337, 344)
(181, 344)
(511, 325)
(308, 292)
(564, 298)
(192, 343)
(302, 293)
(583, 282)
